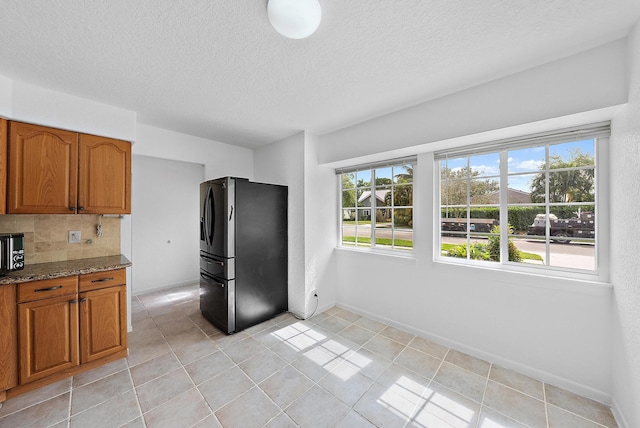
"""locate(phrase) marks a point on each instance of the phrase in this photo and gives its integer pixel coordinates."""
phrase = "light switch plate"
(74, 237)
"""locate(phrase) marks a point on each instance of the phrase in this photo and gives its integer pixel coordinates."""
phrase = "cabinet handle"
(72, 208)
(57, 287)
(74, 301)
(102, 280)
(80, 208)
(84, 299)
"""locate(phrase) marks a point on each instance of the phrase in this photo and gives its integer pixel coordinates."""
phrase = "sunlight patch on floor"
(403, 397)
(298, 336)
(438, 410)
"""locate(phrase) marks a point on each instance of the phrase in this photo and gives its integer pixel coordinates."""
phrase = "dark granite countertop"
(50, 270)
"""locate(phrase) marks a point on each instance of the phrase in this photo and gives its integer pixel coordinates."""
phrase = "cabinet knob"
(84, 299)
(72, 208)
(74, 301)
(80, 208)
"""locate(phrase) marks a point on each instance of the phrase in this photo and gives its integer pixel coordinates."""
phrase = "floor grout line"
(484, 393)
(160, 304)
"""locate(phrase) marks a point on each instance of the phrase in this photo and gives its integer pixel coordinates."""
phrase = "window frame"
(373, 247)
(600, 133)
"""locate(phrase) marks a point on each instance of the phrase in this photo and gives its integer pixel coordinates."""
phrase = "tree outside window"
(377, 207)
(548, 193)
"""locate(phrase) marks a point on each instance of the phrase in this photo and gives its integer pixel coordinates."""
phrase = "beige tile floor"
(336, 369)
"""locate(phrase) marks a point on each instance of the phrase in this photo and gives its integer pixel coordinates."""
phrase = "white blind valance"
(585, 132)
(381, 164)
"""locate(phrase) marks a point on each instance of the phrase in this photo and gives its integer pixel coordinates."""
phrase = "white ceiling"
(217, 69)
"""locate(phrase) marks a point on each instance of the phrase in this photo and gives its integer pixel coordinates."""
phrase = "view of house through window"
(533, 205)
(377, 206)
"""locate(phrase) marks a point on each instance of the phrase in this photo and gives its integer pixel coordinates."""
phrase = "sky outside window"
(524, 160)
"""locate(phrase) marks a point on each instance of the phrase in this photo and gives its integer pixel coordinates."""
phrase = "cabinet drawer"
(37, 290)
(94, 281)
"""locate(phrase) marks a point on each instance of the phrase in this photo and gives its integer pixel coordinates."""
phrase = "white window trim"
(601, 274)
(378, 250)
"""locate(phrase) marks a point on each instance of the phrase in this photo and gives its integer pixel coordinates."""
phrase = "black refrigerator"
(243, 252)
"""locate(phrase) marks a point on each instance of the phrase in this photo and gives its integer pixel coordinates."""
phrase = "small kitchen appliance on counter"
(11, 252)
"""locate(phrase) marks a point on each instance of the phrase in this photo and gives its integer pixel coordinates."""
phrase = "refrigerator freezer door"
(217, 266)
(217, 301)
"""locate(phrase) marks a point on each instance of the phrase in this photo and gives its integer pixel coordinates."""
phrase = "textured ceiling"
(218, 70)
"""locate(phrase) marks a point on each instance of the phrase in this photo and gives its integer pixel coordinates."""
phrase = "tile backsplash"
(46, 236)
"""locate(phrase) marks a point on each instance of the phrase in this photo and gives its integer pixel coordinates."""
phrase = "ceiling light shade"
(295, 19)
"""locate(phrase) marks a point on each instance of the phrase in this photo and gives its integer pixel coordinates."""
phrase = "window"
(542, 188)
(377, 205)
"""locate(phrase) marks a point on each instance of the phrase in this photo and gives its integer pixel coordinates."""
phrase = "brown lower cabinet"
(8, 339)
(64, 326)
(48, 336)
(103, 322)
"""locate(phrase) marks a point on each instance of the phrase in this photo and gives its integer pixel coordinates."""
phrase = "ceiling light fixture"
(295, 19)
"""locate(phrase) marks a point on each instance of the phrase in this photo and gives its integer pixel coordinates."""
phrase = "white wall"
(282, 163)
(591, 80)
(46, 107)
(320, 235)
(219, 159)
(165, 227)
(557, 330)
(554, 330)
(24, 102)
(6, 95)
(625, 194)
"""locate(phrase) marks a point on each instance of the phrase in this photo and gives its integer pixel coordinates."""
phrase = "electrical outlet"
(74, 237)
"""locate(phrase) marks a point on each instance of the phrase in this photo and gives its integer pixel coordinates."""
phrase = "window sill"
(572, 280)
(407, 255)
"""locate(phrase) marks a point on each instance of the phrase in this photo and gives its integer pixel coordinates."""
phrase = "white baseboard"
(541, 375)
(618, 415)
(164, 287)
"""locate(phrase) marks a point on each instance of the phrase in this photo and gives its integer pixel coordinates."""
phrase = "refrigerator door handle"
(212, 260)
(210, 221)
(231, 213)
(210, 278)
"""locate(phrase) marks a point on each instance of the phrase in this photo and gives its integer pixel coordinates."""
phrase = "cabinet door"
(105, 176)
(48, 334)
(103, 323)
(8, 338)
(43, 170)
(4, 132)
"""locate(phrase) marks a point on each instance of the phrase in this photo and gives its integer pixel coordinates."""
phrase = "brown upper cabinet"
(52, 171)
(104, 182)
